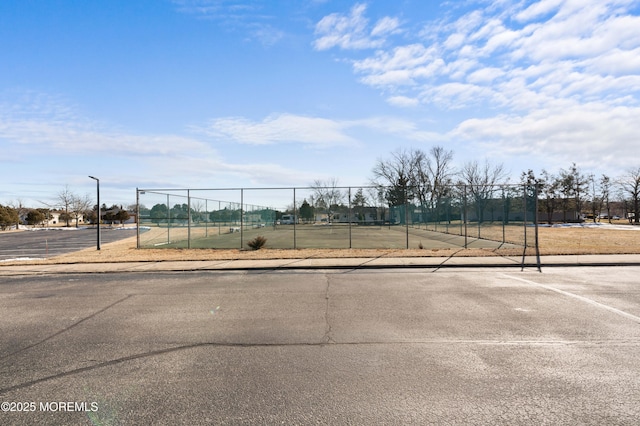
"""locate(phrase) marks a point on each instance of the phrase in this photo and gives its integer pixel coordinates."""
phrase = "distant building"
(54, 218)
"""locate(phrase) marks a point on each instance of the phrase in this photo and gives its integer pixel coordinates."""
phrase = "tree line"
(430, 179)
(72, 208)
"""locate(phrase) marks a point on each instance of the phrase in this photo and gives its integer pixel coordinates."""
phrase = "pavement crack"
(159, 352)
(75, 324)
(141, 356)
(360, 266)
(327, 328)
(446, 259)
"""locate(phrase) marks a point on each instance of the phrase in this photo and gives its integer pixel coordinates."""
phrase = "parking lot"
(419, 346)
(45, 243)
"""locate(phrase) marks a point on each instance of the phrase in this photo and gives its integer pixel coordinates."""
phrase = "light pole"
(98, 190)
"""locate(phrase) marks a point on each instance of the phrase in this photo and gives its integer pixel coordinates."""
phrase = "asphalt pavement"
(314, 346)
(322, 341)
(44, 243)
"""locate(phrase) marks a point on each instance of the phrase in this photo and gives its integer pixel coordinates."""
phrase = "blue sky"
(224, 93)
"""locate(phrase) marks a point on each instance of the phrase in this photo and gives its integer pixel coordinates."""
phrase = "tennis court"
(197, 218)
(332, 236)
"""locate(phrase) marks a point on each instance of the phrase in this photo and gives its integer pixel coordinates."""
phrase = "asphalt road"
(322, 347)
(44, 243)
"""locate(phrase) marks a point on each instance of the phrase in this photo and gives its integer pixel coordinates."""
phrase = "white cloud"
(254, 19)
(537, 9)
(454, 41)
(456, 95)
(615, 62)
(39, 125)
(200, 171)
(352, 31)
(316, 132)
(581, 30)
(404, 65)
(567, 49)
(593, 135)
(485, 75)
(384, 26)
(266, 34)
(76, 138)
(269, 174)
(282, 128)
(403, 101)
(399, 128)
(555, 79)
(218, 9)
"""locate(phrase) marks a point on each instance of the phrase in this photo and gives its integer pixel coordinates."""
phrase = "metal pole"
(537, 186)
(524, 198)
(241, 217)
(294, 219)
(505, 214)
(349, 217)
(406, 216)
(137, 218)
(188, 218)
(464, 197)
(479, 213)
(98, 191)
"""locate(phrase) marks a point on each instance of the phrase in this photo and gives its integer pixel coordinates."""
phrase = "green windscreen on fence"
(486, 217)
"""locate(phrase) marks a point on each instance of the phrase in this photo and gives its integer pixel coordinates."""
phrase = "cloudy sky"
(232, 93)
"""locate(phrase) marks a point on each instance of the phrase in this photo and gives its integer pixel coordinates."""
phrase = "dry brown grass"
(553, 241)
(126, 251)
(562, 241)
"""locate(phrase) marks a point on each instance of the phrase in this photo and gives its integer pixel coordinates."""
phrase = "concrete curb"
(326, 264)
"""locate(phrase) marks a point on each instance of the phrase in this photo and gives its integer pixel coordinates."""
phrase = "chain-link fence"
(487, 217)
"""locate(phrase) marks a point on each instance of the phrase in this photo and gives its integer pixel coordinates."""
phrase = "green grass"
(335, 236)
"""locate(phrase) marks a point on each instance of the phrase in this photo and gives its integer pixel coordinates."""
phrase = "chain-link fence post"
(350, 215)
(241, 218)
(464, 203)
(188, 218)
(137, 218)
(168, 221)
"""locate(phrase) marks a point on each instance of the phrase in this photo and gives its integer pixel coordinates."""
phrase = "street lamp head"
(95, 178)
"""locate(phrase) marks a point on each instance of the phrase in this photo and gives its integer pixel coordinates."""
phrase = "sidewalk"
(330, 263)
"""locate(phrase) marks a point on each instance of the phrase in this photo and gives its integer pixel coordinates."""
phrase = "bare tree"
(600, 190)
(605, 194)
(377, 197)
(65, 199)
(433, 177)
(480, 181)
(397, 177)
(630, 185)
(197, 209)
(20, 208)
(80, 206)
(596, 200)
(397, 174)
(327, 195)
